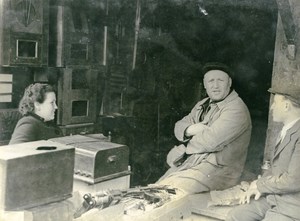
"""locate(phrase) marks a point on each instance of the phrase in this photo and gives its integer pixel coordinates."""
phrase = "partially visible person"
(277, 192)
(37, 106)
(215, 136)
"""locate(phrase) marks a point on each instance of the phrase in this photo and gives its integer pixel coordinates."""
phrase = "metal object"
(266, 166)
(156, 195)
(35, 173)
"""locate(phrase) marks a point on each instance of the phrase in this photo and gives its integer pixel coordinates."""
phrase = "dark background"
(175, 39)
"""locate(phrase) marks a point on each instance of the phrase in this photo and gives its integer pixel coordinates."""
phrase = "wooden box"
(97, 160)
(70, 34)
(57, 211)
(35, 173)
(24, 30)
(77, 96)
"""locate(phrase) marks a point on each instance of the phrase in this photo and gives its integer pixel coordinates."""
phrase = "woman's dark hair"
(34, 93)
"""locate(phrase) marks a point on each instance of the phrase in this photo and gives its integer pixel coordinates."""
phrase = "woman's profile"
(37, 106)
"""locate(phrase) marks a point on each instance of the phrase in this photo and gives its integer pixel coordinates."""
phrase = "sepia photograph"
(149, 110)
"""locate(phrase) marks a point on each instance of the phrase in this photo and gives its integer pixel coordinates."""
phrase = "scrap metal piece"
(87, 204)
(150, 195)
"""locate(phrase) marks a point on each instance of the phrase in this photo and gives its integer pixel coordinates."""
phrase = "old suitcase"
(97, 160)
(35, 173)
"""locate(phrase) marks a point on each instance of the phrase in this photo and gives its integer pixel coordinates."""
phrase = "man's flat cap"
(292, 93)
(217, 66)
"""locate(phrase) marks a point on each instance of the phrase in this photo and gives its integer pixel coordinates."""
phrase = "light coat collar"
(232, 96)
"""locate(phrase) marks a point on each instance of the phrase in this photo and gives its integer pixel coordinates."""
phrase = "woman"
(37, 107)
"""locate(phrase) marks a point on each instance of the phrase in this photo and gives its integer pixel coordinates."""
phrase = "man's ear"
(36, 106)
(230, 82)
(287, 105)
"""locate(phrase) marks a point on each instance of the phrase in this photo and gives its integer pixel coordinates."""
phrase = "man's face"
(278, 108)
(217, 84)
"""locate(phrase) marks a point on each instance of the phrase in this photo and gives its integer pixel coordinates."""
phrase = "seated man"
(280, 185)
(215, 137)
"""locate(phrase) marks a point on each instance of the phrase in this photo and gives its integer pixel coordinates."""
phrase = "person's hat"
(292, 93)
(217, 66)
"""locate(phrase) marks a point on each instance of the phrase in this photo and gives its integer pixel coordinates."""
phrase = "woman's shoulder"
(29, 121)
(25, 130)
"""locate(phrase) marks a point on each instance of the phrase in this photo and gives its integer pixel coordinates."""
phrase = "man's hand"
(175, 154)
(252, 191)
(194, 129)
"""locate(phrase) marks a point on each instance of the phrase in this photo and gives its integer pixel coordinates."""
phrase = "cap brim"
(216, 66)
(272, 91)
(290, 94)
(276, 91)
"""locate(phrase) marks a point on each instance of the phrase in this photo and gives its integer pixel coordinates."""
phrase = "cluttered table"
(56, 188)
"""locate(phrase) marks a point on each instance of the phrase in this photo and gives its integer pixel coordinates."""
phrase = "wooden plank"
(200, 207)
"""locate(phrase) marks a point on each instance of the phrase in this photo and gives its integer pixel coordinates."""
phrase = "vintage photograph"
(149, 110)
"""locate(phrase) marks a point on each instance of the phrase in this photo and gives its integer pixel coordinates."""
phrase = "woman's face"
(46, 109)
